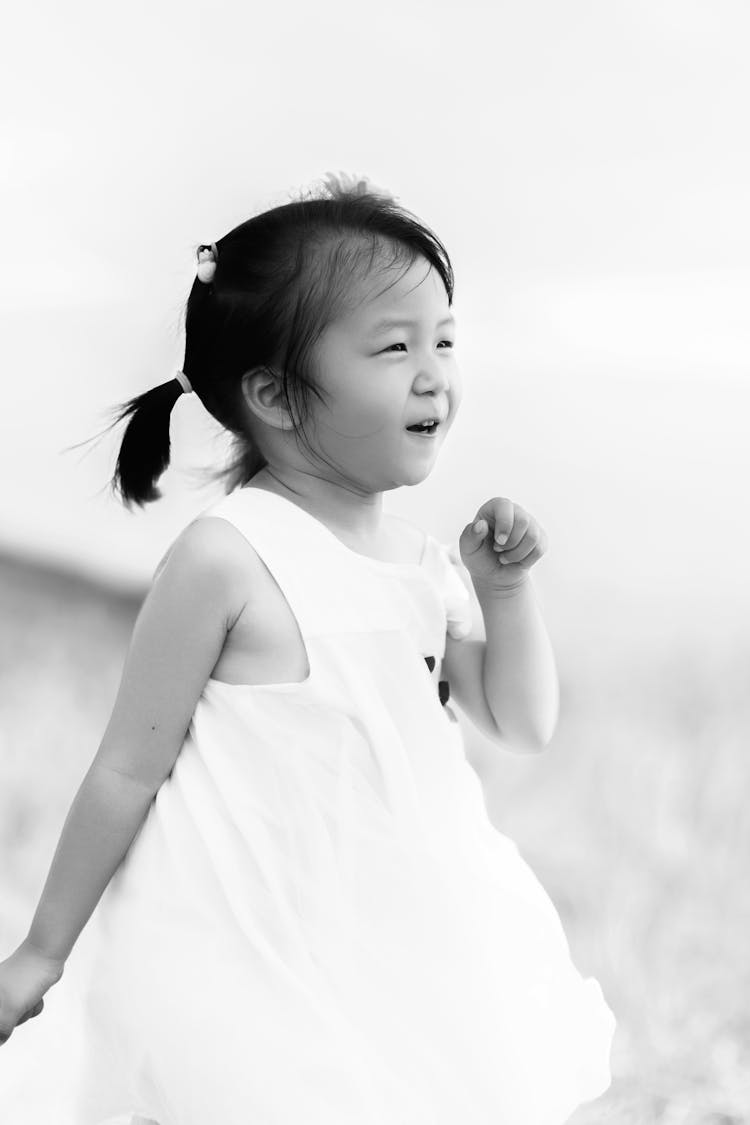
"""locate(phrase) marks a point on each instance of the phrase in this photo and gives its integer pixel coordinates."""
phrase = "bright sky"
(587, 165)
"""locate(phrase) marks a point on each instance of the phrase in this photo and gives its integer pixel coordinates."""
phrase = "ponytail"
(144, 452)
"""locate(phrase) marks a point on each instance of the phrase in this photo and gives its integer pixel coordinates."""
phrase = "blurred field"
(634, 819)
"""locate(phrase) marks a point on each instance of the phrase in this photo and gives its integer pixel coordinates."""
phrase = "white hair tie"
(184, 382)
(207, 255)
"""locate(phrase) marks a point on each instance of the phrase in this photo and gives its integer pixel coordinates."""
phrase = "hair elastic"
(184, 382)
(207, 256)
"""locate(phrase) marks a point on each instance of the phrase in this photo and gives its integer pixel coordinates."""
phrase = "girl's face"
(380, 377)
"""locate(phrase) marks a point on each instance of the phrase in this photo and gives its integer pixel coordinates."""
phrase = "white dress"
(317, 924)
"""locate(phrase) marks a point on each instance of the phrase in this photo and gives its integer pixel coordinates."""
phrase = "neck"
(356, 515)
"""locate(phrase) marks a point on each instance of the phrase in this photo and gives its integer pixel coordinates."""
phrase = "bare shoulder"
(211, 549)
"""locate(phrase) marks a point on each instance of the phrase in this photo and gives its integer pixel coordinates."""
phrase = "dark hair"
(281, 278)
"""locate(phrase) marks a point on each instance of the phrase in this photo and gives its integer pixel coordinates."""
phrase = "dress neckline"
(378, 564)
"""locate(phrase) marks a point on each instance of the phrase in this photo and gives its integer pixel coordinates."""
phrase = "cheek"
(456, 390)
(368, 413)
(370, 395)
(359, 405)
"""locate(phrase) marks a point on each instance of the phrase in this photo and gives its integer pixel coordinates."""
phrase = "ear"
(261, 390)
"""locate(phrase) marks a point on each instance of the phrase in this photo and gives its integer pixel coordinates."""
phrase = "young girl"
(301, 912)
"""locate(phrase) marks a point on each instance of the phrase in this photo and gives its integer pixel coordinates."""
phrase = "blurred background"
(588, 167)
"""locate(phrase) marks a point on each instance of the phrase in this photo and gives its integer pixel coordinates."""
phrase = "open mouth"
(421, 428)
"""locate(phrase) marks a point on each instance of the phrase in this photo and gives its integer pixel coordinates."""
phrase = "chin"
(415, 476)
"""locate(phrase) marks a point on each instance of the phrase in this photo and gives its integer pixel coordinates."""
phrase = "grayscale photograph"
(374, 611)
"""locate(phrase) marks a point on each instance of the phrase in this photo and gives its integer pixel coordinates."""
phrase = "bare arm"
(177, 639)
(519, 673)
(105, 815)
(503, 675)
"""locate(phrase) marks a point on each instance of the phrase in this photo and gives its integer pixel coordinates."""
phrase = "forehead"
(396, 292)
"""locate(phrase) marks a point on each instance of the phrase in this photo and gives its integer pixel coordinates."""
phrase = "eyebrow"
(403, 322)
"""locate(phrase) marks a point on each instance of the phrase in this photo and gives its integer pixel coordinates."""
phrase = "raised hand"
(501, 544)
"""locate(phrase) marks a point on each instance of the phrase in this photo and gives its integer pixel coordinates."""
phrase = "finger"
(528, 560)
(521, 523)
(32, 1012)
(531, 559)
(474, 535)
(534, 539)
(503, 511)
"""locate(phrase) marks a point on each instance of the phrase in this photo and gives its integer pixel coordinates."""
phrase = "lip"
(439, 416)
(416, 433)
(440, 419)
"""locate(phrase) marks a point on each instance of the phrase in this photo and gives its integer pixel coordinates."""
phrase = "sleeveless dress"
(317, 924)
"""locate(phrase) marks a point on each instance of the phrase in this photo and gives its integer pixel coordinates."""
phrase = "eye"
(402, 345)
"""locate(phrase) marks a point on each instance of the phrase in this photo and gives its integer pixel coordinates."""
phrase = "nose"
(433, 376)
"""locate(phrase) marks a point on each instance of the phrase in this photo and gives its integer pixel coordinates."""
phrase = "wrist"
(494, 591)
(54, 965)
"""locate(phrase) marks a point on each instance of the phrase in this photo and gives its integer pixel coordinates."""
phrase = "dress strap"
(329, 587)
(294, 554)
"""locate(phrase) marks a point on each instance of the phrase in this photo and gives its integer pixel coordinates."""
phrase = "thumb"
(473, 536)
